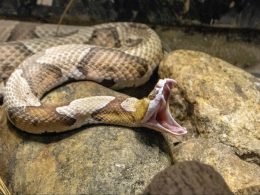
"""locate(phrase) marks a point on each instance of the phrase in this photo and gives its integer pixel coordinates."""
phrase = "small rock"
(238, 173)
(186, 178)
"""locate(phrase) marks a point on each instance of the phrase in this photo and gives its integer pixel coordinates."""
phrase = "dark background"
(228, 13)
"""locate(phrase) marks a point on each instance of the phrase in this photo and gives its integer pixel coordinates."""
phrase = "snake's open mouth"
(158, 116)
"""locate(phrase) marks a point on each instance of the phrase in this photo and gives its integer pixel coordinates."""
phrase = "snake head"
(158, 116)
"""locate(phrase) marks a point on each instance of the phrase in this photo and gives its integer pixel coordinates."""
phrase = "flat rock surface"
(92, 160)
(220, 106)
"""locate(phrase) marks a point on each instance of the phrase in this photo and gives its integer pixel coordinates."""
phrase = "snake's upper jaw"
(158, 116)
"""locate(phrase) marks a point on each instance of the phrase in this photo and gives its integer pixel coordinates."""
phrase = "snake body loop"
(116, 54)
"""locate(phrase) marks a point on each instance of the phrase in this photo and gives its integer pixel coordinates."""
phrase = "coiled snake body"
(117, 54)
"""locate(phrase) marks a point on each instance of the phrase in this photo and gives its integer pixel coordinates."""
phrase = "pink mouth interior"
(158, 115)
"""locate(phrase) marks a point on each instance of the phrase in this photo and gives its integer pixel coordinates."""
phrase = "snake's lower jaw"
(158, 116)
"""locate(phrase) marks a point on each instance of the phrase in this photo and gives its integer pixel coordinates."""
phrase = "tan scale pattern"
(23, 31)
(6, 28)
(102, 63)
(136, 52)
(48, 30)
(14, 53)
(11, 55)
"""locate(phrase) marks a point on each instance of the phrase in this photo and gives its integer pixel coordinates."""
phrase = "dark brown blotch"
(113, 108)
(140, 64)
(42, 78)
(11, 114)
(137, 66)
(83, 69)
(105, 37)
(68, 121)
(130, 42)
(56, 71)
(23, 31)
(47, 116)
(19, 46)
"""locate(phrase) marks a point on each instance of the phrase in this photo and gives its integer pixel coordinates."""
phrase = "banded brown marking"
(106, 37)
(47, 74)
(42, 117)
(12, 54)
(132, 42)
(104, 63)
(114, 113)
(23, 31)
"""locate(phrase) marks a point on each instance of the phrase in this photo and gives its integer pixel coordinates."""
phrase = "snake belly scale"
(116, 54)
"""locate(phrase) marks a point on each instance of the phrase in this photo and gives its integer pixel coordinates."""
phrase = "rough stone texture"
(219, 104)
(238, 173)
(189, 177)
(94, 160)
(255, 190)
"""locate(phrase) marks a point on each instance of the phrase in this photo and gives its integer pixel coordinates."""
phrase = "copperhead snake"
(118, 54)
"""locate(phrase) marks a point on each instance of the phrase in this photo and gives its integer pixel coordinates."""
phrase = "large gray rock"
(92, 160)
(219, 103)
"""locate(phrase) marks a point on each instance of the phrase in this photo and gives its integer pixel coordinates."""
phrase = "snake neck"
(152, 112)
